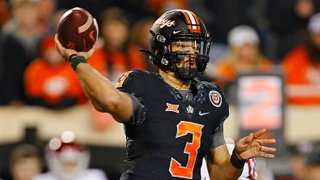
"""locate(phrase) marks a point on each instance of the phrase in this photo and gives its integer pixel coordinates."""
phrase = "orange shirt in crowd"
(302, 78)
(118, 61)
(114, 62)
(136, 58)
(97, 61)
(52, 83)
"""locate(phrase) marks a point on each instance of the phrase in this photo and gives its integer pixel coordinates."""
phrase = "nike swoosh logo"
(177, 31)
(203, 113)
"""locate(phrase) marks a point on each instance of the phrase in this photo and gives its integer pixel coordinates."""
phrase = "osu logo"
(215, 98)
(165, 23)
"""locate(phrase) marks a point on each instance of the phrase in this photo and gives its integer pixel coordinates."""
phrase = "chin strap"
(185, 74)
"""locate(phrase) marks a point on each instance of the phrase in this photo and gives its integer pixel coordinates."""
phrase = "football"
(77, 29)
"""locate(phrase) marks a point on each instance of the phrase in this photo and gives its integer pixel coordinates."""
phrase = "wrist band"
(75, 60)
(236, 162)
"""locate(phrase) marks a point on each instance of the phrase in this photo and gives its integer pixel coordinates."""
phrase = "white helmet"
(66, 158)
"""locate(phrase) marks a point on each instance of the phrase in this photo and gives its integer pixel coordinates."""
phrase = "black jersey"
(170, 135)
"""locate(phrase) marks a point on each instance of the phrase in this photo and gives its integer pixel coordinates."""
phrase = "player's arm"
(222, 166)
(219, 164)
(101, 91)
(218, 160)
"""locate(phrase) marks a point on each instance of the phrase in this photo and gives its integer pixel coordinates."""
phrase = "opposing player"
(170, 117)
(68, 159)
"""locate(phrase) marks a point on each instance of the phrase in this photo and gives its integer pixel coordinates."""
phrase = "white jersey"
(92, 174)
(249, 169)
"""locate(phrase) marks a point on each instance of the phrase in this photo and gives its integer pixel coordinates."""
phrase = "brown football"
(77, 29)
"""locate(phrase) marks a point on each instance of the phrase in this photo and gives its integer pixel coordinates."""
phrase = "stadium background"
(279, 29)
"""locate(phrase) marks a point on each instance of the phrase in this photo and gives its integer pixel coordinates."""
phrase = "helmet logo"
(177, 31)
(165, 23)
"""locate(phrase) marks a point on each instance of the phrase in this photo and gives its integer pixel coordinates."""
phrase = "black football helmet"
(178, 25)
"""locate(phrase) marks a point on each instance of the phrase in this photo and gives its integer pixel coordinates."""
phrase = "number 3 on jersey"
(183, 128)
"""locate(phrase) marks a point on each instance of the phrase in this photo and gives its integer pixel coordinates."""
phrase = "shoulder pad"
(132, 79)
(211, 85)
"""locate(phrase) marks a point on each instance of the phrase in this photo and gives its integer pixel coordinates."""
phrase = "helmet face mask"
(186, 57)
(179, 36)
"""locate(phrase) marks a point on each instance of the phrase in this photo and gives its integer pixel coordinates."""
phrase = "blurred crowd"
(63, 156)
(256, 36)
(253, 36)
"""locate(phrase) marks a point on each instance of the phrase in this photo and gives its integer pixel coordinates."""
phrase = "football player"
(172, 120)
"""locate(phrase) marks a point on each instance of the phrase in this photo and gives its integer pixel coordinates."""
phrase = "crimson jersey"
(168, 135)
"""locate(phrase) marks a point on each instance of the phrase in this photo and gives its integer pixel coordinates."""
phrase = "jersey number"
(183, 128)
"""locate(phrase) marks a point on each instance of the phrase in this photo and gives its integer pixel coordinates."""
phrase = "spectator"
(68, 160)
(50, 82)
(1, 67)
(25, 162)
(313, 164)
(244, 56)
(298, 156)
(301, 68)
(288, 22)
(113, 51)
(221, 16)
(139, 39)
(46, 11)
(4, 12)
(18, 49)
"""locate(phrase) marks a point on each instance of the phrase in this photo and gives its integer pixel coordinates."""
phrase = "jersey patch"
(190, 109)
(215, 98)
(173, 107)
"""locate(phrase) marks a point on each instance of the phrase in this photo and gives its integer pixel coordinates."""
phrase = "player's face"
(186, 51)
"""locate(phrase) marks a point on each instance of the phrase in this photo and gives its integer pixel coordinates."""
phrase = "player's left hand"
(252, 146)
